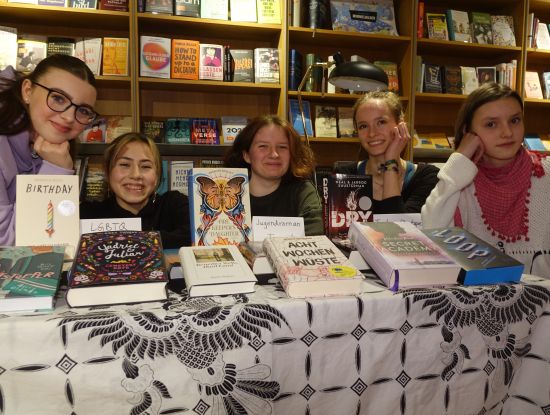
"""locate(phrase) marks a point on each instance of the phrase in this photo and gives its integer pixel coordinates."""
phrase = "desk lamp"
(357, 76)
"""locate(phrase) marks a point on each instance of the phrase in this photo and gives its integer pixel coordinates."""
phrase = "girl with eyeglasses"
(40, 113)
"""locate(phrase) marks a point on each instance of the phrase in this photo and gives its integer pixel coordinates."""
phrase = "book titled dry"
(215, 270)
(312, 266)
(402, 255)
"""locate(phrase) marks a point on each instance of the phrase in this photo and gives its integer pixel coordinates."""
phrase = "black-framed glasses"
(59, 102)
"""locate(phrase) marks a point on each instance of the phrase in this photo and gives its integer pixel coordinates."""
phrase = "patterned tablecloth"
(477, 350)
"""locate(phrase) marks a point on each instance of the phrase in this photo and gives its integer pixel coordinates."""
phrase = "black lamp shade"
(358, 76)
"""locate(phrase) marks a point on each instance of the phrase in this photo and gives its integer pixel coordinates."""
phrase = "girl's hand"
(471, 146)
(401, 137)
(56, 154)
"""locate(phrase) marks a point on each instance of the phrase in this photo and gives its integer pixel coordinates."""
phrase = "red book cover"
(115, 5)
(205, 131)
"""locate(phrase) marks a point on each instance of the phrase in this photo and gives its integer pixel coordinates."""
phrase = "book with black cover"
(117, 268)
(480, 261)
(432, 78)
(453, 79)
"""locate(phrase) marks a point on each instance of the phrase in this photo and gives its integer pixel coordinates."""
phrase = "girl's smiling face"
(375, 123)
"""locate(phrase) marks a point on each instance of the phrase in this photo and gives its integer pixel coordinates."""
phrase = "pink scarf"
(503, 195)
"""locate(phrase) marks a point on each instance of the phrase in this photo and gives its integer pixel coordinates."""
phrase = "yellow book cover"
(269, 11)
(115, 56)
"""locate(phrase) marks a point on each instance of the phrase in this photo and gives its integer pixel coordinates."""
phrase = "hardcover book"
(155, 56)
(215, 270)
(480, 262)
(204, 131)
(177, 131)
(296, 117)
(60, 45)
(503, 30)
(95, 184)
(47, 210)
(8, 51)
(481, 27)
(254, 255)
(211, 62)
(231, 127)
(114, 5)
(437, 26)
(219, 206)
(117, 268)
(58, 3)
(243, 62)
(459, 25)
(269, 11)
(356, 16)
(185, 59)
(89, 51)
(29, 277)
(266, 65)
(312, 266)
(215, 9)
(317, 14)
(346, 198)
(159, 6)
(402, 256)
(115, 56)
(190, 8)
(294, 69)
(179, 175)
(325, 121)
(542, 39)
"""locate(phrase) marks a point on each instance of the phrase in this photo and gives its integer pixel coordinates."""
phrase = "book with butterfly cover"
(219, 206)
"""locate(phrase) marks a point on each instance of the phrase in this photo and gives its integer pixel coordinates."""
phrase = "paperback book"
(155, 56)
(459, 25)
(211, 62)
(243, 61)
(503, 30)
(190, 8)
(205, 131)
(29, 277)
(269, 11)
(178, 131)
(266, 65)
(402, 256)
(325, 121)
(185, 59)
(231, 127)
(215, 270)
(437, 26)
(8, 52)
(296, 117)
(179, 175)
(312, 266)
(481, 27)
(89, 51)
(115, 56)
(117, 268)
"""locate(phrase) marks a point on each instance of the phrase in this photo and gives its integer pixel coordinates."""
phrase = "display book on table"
(117, 268)
(480, 262)
(29, 277)
(312, 266)
(215, 270)
(402, 256)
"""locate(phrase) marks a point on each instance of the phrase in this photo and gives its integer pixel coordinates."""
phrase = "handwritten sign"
(265, 226)
(109, 225)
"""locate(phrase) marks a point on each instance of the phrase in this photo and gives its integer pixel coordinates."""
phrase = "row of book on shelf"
(112, 5)
(127, 265)
(324, 121)
(440, 140)
(538, 34)
(470, 27)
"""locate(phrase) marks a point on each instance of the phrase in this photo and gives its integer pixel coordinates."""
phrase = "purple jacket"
(16, 158)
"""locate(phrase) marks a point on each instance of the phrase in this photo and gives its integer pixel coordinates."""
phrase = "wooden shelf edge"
(97, 149)
(456, 44)
(429, 153)
(209, 22)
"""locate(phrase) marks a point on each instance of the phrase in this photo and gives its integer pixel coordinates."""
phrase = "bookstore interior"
(256, 315)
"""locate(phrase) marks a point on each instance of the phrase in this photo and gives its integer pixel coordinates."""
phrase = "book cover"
(469, 79)
(325, 121)
(117, 268)
(459, 25)
(211, 62)
(345, 122)
(114, 5)
(95, 184)
(159, 6)
(546, 84)
(228, 64)
(432, 78)
(254, 255)
(177, 131)
(356, 16)
(533, 142)
(211, 163)
(317, 14)
(155, 56)
(266, 65)
(543, 36)
(295, 116)
(95, 132)
(179, 175)
(117, 125)
(437, 26)
(481, 27)
(243, 10)
(60, 45)
(453, 80)
(231, 126)
(30, 51)
(215, 9)
(8, 51)
(58, 3)
(480, 262)
(83, 4)
(532, 85)
(402, 256)
(115, 56)
(346, 198)
(189, 8)
(89, 51)
(47, 210)
(312, 266)
(486, 74)
(185, 59)
(243, 63)
(215, 270)
(269, 11)
(503, 30)
(154, 129)
(295, 67)
(219, 206)
(204, 131)
(29, 277)
(390, 68)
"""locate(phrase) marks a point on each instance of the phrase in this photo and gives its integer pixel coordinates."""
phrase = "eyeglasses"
(59, 102)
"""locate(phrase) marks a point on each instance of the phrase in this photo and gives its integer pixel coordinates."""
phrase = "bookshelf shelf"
(203, 85)
(165, 150)
(350, 98)
(464, 49)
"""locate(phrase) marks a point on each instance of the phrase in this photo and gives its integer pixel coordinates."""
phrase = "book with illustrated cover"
(481, 27)
(325, 121)
(312, 266)
(190, 8)
(47, 210)
(8, 51)
(115, 56)
(390, 68)
(546, 84)
(266, 65)
(215, 270)
(30, 51)
(542, 38)
(214, 9)
(346, 198)
(437, 26)
(117, 268)
(29, 277)
(532, 85)
(432, 78)
(154, 58)
(185, 59)
(486, 74)
(243, 61)
(345, 122)
(211, 62)
(402, 256)
(154, 129)
(480, 262)
(177, 131)
(219, 206)
(503, 30)
(159, 6)
(459, 25)
(89, 51)
(296, 117)
(357, 16)
(205, 131)
(95, 184)
(96, 132)
(469, 79)
(453, 79)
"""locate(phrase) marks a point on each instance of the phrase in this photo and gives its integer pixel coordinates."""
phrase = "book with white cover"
(402, 255)
(533, 88)
(312, 266)
(89, 50)
(215, 270)
(8, 51)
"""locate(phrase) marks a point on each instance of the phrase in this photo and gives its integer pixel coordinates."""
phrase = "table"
(476, 350)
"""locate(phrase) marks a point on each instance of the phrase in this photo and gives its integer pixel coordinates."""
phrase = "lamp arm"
(300, 105)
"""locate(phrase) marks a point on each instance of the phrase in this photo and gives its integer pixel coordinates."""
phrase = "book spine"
(228, 65)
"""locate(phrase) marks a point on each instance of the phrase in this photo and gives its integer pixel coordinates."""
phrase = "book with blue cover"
(296, 117)
(480, 261)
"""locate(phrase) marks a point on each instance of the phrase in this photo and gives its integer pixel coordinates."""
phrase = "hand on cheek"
(57, 154)
(471, 146)
(400, 139)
